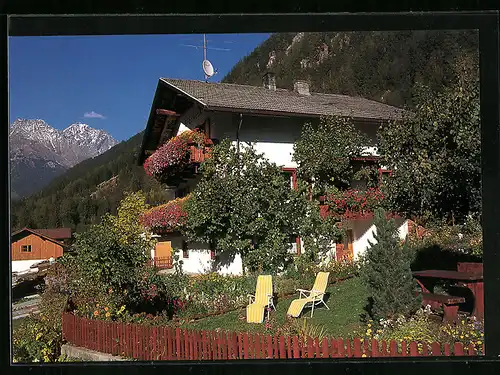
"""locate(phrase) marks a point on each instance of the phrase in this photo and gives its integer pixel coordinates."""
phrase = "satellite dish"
(208, 68)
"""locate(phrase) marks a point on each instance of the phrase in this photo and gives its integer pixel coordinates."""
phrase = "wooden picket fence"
(165, 343)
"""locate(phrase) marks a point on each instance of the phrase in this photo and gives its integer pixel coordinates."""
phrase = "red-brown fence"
(162, 262)
(164, 343)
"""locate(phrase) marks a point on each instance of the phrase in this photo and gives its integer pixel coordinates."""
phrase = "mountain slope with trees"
(74, 199)
(384, 66)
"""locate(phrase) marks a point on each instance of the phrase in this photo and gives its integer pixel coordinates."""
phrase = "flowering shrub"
(351, 202)
(460, 239)
(99, 304)
(172, 157)
(421, 328)
(35, 341)
(38, 338)
(467, 331)
(286, 286)
(166, 217)
(339, 269)
(212, 293)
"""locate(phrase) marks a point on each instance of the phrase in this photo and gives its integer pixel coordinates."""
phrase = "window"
(294, 245)
(291, 175)
(212, 251)
(26, 248)
(185, 251)
(383, 174)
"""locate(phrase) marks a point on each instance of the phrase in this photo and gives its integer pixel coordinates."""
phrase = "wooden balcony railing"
(162, 262)
(198, 154)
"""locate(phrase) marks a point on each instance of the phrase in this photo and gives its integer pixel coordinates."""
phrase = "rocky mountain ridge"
(39, 152)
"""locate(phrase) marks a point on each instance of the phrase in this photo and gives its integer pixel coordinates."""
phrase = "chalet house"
(271, 119)
(30, 246)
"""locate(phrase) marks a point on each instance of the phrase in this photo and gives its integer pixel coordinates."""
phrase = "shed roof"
(32, 231)
(56, 233)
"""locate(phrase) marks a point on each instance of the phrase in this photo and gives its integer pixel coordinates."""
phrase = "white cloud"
(93, 115)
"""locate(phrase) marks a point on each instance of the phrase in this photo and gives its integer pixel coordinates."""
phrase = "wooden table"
(472, 280)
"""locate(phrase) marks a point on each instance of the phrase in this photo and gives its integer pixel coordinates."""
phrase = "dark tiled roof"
(37, 233)
(56, 233)
(244, 97)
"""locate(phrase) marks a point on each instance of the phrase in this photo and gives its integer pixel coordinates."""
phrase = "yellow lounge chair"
(263, 298)
(311, 297)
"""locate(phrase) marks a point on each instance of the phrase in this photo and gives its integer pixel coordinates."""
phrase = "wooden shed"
(28, 244)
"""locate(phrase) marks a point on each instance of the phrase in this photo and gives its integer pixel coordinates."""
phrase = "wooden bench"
(449, 303)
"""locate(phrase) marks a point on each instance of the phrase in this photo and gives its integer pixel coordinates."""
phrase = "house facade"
(30, 246)
(271, 119)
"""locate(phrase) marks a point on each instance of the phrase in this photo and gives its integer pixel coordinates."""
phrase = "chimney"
(269, 81)
(301, 88)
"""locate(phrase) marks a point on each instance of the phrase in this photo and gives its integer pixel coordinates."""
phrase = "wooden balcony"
(198, 154)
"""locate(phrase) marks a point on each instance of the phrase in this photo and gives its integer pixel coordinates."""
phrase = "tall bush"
(387, 273)
(243, 205)
(435, 154)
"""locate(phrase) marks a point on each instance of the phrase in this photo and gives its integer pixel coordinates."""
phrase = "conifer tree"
(387, 273)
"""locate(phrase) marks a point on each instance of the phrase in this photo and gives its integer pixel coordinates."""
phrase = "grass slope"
(346, 302)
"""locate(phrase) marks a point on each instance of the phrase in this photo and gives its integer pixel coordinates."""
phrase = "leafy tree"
(242, 205)
(318, 233)
(323, 153)
(104, 257)
(111, 254)
(126, 222)
(434, 153)
(387, 273)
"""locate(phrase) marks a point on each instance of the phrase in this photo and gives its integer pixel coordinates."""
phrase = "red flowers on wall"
(165, 218)
(174, 156)
(352, 203)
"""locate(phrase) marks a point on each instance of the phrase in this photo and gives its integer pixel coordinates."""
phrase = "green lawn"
(346, 302)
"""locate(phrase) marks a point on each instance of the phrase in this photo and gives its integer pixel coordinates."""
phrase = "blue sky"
(108, 82)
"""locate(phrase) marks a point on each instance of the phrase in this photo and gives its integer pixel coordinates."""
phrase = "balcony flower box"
(166, 218)
(351, 204)
(176, 157)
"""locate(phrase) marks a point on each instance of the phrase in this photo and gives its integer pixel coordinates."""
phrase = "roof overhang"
(28, 230)
(164, 116)
(270, 113)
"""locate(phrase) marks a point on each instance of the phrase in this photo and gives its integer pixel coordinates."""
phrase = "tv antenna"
(207, 66)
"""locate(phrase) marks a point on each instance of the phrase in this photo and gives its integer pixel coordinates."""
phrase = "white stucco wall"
(363, 231)
(182, 128)
(274, 137)
(24, 265)
(199, 259)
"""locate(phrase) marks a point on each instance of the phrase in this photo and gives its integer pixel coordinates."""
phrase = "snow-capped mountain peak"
(33, 141)
(95, 141)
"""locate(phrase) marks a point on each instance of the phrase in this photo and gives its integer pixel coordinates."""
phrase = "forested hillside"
(74, 199)
(383, 66)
